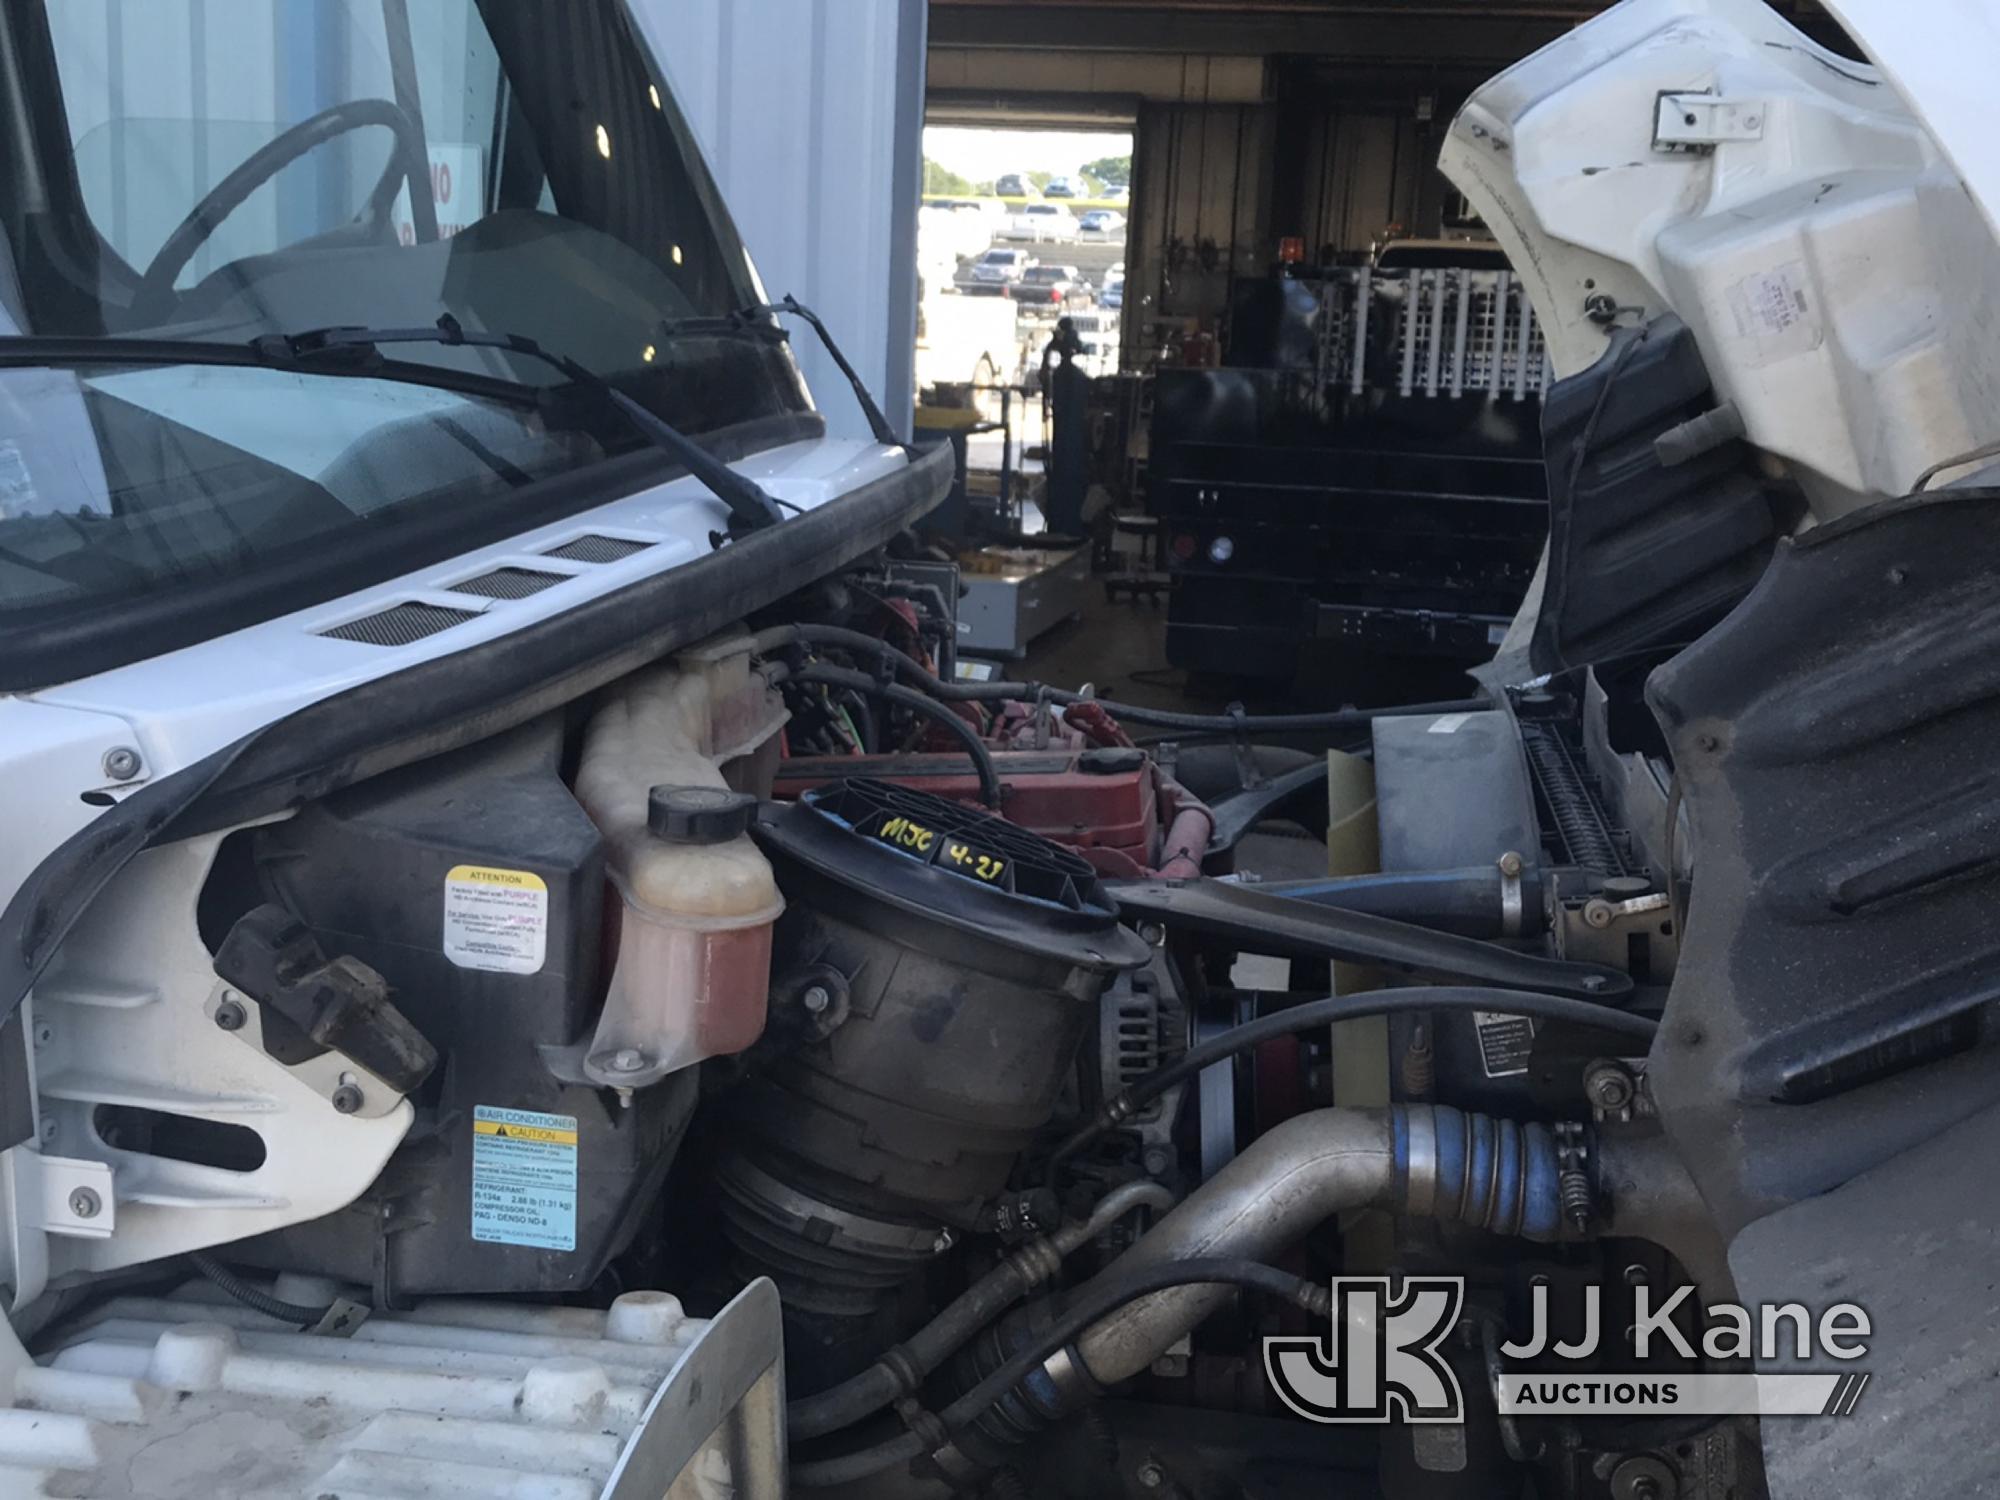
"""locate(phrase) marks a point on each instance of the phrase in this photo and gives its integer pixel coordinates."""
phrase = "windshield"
(221, 170)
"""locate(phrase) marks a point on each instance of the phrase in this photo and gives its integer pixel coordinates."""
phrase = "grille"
(961, 841)
(597, 549)
(508, 583)
(401, 625)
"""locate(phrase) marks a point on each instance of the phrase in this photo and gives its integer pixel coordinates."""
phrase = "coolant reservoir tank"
(694, 942)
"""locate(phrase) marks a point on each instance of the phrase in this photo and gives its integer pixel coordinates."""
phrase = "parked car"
(1014, 185)
(1112, 293)
(992, 273)
(1101, 224)
(1042, 221)
(1060, 187)
(1056, 286)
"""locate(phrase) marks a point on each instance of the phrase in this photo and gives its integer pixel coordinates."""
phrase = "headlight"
(1221, 550)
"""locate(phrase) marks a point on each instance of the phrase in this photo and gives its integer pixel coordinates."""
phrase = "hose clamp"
(1420, 1168)
(1512, 906)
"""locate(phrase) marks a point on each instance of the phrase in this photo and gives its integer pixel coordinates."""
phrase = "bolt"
(627, 1060)
(1594, 982)
(1158, 1160)
(1635, 1275)
(814, 1000)
(1607, 1085)
(944, 1241)
(1153, 933)
(121, 763)
(1151, 1476)
(1511, 865)
(230, 1016)
(84, 1203)
(1598, 913)
(347, 1099)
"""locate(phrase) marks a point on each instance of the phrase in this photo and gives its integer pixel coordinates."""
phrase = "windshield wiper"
(747, 320)
(751, 507)
(356, 351)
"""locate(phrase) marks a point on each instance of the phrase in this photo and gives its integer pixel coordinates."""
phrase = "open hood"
(1825, 230)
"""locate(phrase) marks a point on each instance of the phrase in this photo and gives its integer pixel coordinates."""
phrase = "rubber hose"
(1111, 1293)
(1317, 1013)
(861, 682)
(780, 636)
(903, 1368)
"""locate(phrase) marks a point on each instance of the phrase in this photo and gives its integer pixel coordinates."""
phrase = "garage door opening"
(1019, 230)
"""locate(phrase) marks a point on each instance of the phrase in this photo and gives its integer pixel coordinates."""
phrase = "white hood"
(1826, 229)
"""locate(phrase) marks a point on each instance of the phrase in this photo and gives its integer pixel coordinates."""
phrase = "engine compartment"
(733, 974)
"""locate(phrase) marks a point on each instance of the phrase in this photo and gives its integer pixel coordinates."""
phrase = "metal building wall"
(1201, 183)
(810, 113)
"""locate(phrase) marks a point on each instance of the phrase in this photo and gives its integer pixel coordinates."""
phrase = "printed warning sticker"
(523, 1178)
(496, 919)
(1775, 311)
(1504, 1042)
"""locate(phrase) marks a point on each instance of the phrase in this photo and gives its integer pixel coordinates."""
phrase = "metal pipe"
(1423, 1160)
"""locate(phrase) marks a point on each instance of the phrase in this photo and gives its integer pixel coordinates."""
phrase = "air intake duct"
(947, 962)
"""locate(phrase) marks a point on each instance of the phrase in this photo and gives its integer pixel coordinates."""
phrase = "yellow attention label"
(496, 920)
(518, 1132)
(520, 880)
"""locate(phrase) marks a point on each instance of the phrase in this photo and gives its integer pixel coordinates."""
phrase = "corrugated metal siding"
(810, 113)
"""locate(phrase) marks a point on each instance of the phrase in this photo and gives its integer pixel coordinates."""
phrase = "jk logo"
(1380, 1360)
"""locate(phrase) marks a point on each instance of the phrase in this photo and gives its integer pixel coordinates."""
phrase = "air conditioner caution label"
(523, 1178)
(496, 919)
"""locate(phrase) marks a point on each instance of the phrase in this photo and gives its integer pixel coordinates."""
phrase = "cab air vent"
(401, 625)
(597, 549)
(508, 583)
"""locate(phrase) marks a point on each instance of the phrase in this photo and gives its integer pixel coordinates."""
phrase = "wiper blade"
(66, 349)
(751, 507)
(357, 351)
(746, 321)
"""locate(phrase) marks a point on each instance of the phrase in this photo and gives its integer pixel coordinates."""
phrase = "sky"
(981, 155)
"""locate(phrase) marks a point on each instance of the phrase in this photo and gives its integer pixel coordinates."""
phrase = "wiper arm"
(751, 507)
(356, 351)
(744, 321)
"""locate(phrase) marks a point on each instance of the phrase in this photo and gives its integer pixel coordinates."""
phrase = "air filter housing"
(957, 959)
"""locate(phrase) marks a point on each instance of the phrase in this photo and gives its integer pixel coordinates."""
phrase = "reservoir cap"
(699, 814)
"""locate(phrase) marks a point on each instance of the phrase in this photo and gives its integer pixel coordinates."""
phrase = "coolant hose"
(1105, 1295)
(904, 1367)
(1471, 902)
(780, 636)
(1428, 1161)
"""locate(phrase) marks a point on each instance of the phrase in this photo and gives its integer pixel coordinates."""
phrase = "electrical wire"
(1105, 1296)
(938, 713)
(1317, 1013)
(254, 1296)
(780, 636)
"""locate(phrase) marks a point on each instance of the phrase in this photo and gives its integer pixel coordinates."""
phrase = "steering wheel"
(409, 162)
